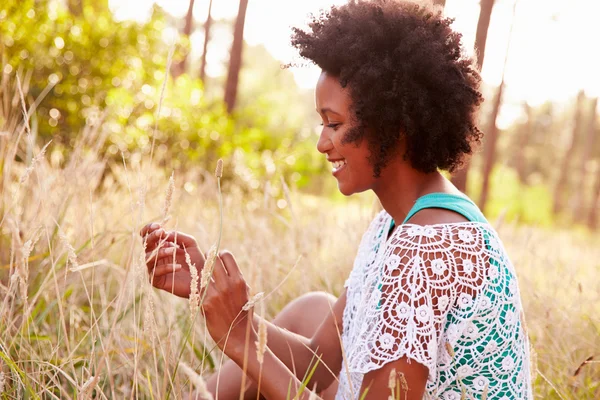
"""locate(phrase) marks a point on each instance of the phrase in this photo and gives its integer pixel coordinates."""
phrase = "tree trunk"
(179, 67)
(235, 60)
(594, 204)
(578, 203)
(485, 14)
(75, 7)
(491, 140)
(207, 25)
(561, 185)
(524, 133)
(490, 144)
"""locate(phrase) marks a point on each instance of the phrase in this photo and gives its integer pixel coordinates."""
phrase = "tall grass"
(78, 318)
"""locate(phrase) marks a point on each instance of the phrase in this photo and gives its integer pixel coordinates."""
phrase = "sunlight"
(548, 36)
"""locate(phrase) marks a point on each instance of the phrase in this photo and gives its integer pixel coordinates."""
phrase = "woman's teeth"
(338, 164)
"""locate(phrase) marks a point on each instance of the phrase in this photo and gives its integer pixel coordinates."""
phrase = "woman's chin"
(345, 189)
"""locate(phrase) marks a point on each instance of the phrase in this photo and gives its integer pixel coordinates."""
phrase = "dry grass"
(78, 318)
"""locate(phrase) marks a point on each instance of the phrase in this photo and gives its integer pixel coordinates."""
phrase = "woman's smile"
(337, 166)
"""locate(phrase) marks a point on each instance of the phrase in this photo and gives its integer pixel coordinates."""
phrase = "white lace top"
(428, 291)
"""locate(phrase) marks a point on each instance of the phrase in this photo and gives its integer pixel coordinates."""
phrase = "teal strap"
(454, 202)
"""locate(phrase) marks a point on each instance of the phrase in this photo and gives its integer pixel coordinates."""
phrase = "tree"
(207, 26)
(485, 13)
(564, 172)
(75, 7)
(179, 67)
(590, 140)
(491, 141)
(235, 60)
(594, 204)
(523, 134)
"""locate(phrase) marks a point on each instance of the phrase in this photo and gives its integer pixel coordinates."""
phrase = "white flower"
(508, 363)
(438, 266)
(485, 302)
(472, 331)
(453, 333)
(493, 272)
(481, 382)
(509, 317)
(403, 310)
(413, 231)
(464, 371)
(443, 302)
(393, 262)
(451, 396)
(465, 236)
(465, 300)
(491, 347)
(428, 231)
(423, 313)
(468, 266)
(387, 341)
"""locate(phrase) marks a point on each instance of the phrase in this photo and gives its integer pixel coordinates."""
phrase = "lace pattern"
(428, 288)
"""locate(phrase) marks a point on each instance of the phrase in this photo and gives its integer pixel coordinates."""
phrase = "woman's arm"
(166, 249)
(227, 324)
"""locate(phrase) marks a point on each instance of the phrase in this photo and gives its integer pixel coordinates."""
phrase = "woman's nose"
(324, 144)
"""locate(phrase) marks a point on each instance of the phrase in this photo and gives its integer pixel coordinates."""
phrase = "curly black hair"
(407, 76)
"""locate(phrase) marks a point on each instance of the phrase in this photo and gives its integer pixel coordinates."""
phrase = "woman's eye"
(332, 126)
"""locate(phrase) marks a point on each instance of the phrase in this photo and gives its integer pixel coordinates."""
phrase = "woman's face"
(349, 161)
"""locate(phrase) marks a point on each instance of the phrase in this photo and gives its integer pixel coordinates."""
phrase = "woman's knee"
(304, 314)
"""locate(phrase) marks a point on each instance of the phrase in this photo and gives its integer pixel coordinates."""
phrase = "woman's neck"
(400, 186)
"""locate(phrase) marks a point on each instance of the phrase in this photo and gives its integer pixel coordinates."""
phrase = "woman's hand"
(226, 296)
(165, 259)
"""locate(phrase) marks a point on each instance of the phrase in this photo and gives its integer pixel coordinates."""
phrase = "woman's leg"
(302, 316)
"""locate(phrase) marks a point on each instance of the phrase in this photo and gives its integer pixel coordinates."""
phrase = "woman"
(432, 297)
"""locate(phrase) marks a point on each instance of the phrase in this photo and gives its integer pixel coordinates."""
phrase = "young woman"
(432, 294)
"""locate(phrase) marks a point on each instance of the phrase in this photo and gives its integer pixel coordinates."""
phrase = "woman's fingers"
(165, 269)
(161, 236)
(163, 252)
(219, 275)
(231, 266)
(149, 228)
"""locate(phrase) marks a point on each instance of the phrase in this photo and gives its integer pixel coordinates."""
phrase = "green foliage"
(109, 74)
(512, 200)
(87, 56)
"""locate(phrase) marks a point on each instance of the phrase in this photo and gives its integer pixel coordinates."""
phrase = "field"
(79, 319)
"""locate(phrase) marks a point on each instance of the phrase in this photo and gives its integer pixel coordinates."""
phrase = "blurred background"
(102, 101)
(104, 62)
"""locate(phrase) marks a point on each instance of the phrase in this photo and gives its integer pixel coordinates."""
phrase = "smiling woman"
(432, 306)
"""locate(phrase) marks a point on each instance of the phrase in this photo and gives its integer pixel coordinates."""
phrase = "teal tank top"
(458, 203)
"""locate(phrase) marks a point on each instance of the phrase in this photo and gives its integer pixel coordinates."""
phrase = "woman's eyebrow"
(326, 109)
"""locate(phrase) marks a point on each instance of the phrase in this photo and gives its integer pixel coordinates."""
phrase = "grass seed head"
(208, 265)
(261, 344)
(392, 380)
(88, 387)
(253, 300)
(450, 349)
(168, 199)
(219, 169)
(197, 381)
(194, 299)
